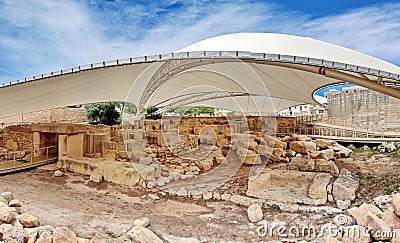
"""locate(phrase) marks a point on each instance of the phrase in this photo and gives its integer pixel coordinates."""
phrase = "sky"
(40, 36)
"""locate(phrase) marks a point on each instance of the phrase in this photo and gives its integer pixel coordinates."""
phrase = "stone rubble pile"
(300, 151)
(303, 170)
(19, 227)
(378, 222)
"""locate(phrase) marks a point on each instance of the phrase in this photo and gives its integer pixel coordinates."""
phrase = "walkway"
(9, 163)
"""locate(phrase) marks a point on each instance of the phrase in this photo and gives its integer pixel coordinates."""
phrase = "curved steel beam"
(342, 76)
(202, 97)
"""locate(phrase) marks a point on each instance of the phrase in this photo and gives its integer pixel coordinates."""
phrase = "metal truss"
(201, 97)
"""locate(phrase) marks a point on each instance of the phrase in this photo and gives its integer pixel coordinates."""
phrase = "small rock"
(58, 173)
(83, 240)
(255, 213)
(64, 235)
(14, 203)
(343, 204)
(216, 196)
(96, 178)
(142, 234)
(207, 195)
(225, 196)
(143, 222)
(28, 221)
(153, 196)
(7, 214)
(7, 196)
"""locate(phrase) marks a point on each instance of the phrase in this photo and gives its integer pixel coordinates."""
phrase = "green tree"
(103, 113)
(151, 113)
(196, 110)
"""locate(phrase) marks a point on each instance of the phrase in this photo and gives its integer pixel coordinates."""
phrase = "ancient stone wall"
(20, 134)
(56, 115)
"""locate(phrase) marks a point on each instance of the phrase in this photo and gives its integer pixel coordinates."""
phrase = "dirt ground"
(105, 211)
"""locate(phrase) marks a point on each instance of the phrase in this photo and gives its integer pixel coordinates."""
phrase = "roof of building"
(248, 72)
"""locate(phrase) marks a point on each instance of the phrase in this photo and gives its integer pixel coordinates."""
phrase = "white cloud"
(39, 36)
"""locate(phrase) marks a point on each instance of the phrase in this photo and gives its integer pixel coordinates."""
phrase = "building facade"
(362, 108)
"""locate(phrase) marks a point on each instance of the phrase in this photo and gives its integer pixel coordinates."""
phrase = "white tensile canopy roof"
(248, 72)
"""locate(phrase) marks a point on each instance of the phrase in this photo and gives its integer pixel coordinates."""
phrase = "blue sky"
(40, 36)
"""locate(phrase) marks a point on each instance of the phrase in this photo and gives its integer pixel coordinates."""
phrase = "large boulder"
(12, 146)
(322, 165)
(318, 188)
(302, 164)
(324, 143)
(345, 186)
(327, 154)
(303, 147)
(64, 235)
(342, 150)
(297, 137)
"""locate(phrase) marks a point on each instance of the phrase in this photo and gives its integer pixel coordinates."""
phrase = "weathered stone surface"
(322, 165)
(145, 161)
(124, 154)
(12, 146)
(297, 137)
(96, 178)
(143, 222)
(7, 196)
(255, 213)
(111, 154)
(45, 237)
(302, 164)
(204, 165)
(396, 236)
(343, 204)
(14, 203)
(15, 235)
(7, 214)
(345, 186)
(359, 214)
(251, 158)
(142, 234)
(28, 221)
(244, 200)
(396, 203)
(302, 146)
(83, 240)
(378, 227)
(318, 188)
(342, 150)
(64, 235)
(391, 219)
(324, 143)
(58, 173)
(286, 186)
(207, 195)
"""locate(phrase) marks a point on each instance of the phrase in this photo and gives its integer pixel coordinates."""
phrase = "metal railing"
(16, 160)
(343, 132)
